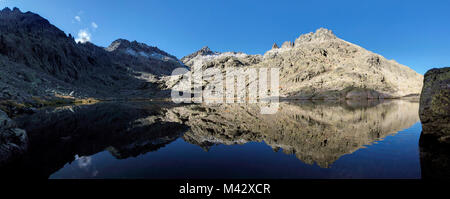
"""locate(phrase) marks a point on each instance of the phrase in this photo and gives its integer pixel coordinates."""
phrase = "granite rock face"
(319, 65)
(435, 105)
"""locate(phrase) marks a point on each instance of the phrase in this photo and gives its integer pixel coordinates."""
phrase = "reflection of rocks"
(434, 159)
(13, 141)
(435, 105)
(57, 136)
(315, 132)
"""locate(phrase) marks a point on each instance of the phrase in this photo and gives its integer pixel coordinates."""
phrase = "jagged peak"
(321, 34)
(117, 44)
(8, 14)
(15, 9)
(138, 49)
(17, 21)
(15, 12)
(120, 43)
(274, 46)
(125, 44)
(6, 9)
(205, 50)
(323, 30)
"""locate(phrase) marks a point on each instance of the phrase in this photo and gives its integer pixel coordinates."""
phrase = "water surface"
(305, 139)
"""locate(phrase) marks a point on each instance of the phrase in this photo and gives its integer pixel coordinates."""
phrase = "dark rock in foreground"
(435, 117)
(13, 141)
(434, 159)
(435, 105)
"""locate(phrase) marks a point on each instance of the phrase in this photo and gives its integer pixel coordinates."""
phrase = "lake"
(304, 139)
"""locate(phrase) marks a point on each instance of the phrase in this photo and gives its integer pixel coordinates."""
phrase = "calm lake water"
(304, 139)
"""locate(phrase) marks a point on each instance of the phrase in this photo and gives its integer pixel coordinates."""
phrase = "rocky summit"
(319, 65)
(144, 58)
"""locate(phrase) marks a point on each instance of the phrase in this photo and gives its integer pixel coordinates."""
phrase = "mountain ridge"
(40, 63)
(319, 65)
(38, 60)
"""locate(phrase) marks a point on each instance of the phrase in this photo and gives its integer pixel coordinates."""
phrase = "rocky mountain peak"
(274, 46)
(118, 44)
(138, 49)
(19, 22)
(202, 52)
(8, 10)
(145, 58)
(324, 33)
(321, 35)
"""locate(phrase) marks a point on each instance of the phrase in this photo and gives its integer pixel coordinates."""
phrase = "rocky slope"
(39, 62)
(144, 58)
(321, 66)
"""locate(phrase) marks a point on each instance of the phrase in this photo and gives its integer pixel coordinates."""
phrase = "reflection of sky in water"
(395, 156)
(83, 165)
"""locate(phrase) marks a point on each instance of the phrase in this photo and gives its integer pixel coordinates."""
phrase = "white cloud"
(78, 18)
(94, 25)
(83, 36)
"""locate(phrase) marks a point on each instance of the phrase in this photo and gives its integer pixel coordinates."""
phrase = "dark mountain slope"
(38, 60)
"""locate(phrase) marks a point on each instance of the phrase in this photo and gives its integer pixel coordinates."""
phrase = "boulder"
(435, 105)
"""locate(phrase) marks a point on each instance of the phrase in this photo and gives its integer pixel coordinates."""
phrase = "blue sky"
(416, 34)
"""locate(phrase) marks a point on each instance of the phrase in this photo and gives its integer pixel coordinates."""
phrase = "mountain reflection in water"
(159, 140)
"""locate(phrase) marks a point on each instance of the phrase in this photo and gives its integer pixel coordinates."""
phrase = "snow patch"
(153, 55)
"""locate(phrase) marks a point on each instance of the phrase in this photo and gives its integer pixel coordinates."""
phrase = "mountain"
(321, 66)
(142, 57)
(40, 64)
